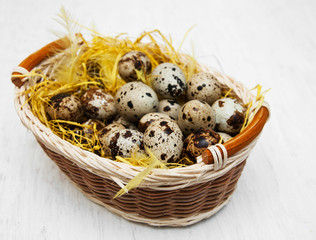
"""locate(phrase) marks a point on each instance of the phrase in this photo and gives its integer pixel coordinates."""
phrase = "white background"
(268, 42)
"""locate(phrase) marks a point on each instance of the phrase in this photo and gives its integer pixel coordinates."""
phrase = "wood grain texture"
(268, 42)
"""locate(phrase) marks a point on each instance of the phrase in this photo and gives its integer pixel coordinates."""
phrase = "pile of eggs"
(140, 116)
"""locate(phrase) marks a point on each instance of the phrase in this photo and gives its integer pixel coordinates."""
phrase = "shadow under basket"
(166, 197)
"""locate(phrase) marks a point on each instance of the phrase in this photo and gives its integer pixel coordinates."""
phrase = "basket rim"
(237, 144)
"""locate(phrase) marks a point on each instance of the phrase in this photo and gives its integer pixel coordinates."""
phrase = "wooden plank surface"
(267, 42)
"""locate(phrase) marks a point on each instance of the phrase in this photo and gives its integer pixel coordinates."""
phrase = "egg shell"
(164, 139)
(198, 141)
(124, 142)
(105, 135)
(127, 124)
(98, 104)
(134, 100)
(66, 107)
(225, 137)
(131, 61)
(203, 86)
(147, 119)
(168, 80)
(170, 107)
(229, 115)
(196, 115)
(92, 123)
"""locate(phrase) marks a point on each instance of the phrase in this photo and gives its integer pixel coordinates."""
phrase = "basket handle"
(36, 58)
(242, 139)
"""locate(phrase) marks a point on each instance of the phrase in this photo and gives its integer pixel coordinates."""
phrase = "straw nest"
(172, 196)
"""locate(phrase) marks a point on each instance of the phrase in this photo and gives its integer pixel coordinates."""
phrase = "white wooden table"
(268, 42)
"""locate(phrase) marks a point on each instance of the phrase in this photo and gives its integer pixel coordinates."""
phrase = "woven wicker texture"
(172, 197)
(152, 204)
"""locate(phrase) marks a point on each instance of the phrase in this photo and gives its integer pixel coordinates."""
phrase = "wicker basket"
(172, 197)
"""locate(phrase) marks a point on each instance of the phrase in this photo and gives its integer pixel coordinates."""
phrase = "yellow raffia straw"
(260, 100)
(191, 67)
(138, 179)
(185, 36)
(228, 92)
(221, 140)
(114, 71)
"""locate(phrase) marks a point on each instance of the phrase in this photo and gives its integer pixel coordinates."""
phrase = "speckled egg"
(196, 115)
(134, 100)
(105, 135)
(168, 80)
(203, 86)
(98, 104)
(127, 124)
(92, 124)
(131, 61)
(165, 139)
(225, 137)
(124, 142)
(147, 119)
(198, 141)
(170, 107)
(229, 115)
(65, 106)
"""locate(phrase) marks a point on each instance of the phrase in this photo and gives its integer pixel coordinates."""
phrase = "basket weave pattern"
(153, 204)
(172, 197)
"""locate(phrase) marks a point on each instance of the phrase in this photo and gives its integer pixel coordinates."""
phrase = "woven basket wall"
(167, 197)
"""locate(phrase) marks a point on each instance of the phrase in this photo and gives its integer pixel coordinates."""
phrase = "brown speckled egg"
(225, 137)
(92, 124)
(168, 80)
(197, 142)
(98, 104)
(127, 124)
(105, 135)
(134, 100)
(65, 106)
(124, 142)
(131, 61)
(164, 138)
(203, 86)
(196, 115)
(147, 119)
(169, 107)
(229, 115)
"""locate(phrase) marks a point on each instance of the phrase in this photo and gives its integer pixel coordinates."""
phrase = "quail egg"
(131, 61)
(203, 86)
(92, 124)
(65, 106)
(147, 119)
(196, 115)
(198, 141)
(225, 136)
(168, 80)
(164, 138)
(127, 124)
(105, 135)
(124, 142)
(229, 115)
(134, 100)
(98, 104)
(169, 107)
